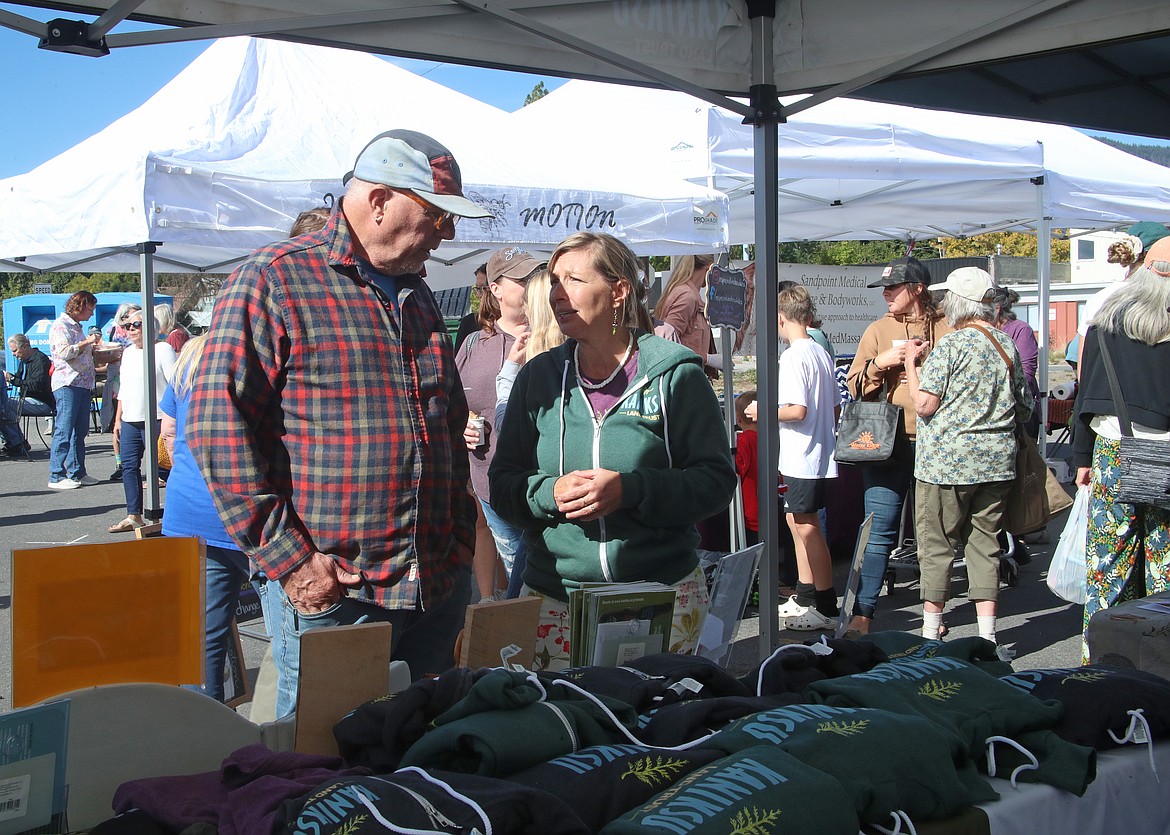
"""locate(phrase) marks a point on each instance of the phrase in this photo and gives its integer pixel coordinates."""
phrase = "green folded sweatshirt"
(951, 693)
(886, 761)
(757, 790)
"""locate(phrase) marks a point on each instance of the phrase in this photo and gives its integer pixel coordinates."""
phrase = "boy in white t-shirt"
(809, 404)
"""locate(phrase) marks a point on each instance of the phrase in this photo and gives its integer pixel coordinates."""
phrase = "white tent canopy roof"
(223, 158)
(853, 169)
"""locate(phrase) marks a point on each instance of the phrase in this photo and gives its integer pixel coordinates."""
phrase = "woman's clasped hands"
(587, 495)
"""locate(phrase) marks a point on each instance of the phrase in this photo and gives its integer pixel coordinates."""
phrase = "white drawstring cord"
(438, 817)
(899, 817)
(770, 658)
(622, 728)
(1031, 765)
(1138, 733)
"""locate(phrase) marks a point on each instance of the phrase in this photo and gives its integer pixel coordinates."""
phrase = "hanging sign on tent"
(726, 300)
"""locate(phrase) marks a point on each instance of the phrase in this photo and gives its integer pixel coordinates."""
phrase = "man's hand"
(317, 583)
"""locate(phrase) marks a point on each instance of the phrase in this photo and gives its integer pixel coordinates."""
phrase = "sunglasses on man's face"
(440, 217)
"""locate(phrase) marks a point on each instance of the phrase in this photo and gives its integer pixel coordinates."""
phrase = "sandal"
(125, 526)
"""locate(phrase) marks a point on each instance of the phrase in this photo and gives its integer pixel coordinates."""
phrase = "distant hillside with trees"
(1159, 154)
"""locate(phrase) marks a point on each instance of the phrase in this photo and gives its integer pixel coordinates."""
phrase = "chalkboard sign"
(726, 302)
(248, 604)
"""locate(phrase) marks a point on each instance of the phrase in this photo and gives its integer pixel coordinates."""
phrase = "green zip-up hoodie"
(667, 439)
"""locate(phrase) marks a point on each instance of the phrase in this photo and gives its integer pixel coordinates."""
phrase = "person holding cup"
(878, 370)
(502, 320)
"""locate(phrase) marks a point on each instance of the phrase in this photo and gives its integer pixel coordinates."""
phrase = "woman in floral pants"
(1127, 552)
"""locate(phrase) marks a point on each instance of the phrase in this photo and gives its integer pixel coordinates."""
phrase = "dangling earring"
(615, 315)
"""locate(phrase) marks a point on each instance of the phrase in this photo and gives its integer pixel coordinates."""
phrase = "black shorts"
(804, 495)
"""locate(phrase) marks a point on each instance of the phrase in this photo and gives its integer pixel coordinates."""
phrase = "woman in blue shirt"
(191, 512)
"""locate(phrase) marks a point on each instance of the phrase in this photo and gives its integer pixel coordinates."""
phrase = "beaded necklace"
(585, 384)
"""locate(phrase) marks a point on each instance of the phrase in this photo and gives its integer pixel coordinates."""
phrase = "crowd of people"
(330, 441)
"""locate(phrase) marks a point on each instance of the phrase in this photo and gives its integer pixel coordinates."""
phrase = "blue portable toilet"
(34, 314)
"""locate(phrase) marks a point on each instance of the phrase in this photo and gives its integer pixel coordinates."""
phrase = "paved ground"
(1043, 630)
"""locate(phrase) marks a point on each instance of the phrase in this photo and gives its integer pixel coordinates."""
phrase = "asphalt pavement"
(1041, 629)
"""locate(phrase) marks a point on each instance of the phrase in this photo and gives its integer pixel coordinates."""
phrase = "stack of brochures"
(611, 624)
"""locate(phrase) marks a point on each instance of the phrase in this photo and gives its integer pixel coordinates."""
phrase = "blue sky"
(52, 101)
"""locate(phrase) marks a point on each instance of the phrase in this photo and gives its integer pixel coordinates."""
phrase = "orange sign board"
(84, 615)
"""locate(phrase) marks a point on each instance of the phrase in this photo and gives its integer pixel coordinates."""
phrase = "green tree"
(840, 252)
(1001, 243)
(538, 92)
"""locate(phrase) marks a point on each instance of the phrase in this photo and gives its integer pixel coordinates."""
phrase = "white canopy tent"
(223, 158)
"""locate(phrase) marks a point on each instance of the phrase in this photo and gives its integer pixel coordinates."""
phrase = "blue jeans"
(67, 453)
(227, 569)
(885, 491)
(133, 446)
(34, 408)
(509, 545)
(423, 639)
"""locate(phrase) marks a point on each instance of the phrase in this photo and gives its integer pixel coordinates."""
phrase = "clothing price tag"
(507, 653)
(820, 648)
(14, 797)
(685, 685)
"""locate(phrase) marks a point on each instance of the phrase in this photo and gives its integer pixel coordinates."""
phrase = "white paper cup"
(477, 424)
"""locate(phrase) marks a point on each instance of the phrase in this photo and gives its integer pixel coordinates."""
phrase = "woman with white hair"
(115, 335)
(130, 422)
(170, 331)
(1128, 545)
(969, 395)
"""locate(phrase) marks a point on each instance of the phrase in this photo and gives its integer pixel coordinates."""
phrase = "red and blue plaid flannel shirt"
(323, 419)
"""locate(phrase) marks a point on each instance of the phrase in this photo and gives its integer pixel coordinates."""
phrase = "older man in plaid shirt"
(328, 417)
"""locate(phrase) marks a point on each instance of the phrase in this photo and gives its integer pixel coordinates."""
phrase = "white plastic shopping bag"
(1068, 573)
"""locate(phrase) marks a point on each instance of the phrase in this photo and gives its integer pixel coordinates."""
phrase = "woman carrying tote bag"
(1128, 546)
(878, 367)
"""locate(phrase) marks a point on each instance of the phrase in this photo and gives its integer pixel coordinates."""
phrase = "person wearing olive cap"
(878, 371)
(328, 417)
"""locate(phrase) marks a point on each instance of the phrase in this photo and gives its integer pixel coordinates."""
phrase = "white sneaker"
(790, 608)
(87, 481)
(64, 484)
(809, 621)
(48, 430)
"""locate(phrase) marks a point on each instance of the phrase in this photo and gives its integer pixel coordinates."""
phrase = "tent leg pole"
(151, 508)
(766, 115)
(1043, 287)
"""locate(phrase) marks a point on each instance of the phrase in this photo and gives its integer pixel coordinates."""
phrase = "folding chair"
(24, 420)
(1060, 419)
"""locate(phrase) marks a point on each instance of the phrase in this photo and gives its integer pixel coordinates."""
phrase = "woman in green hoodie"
(613, 446)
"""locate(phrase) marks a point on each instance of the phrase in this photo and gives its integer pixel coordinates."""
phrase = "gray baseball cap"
(411, 160)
